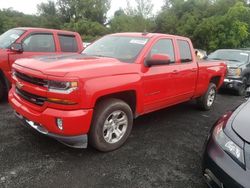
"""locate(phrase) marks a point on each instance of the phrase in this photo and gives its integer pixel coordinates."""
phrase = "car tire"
(111, 125)
(1, 91)
(242, 90)
(206, 101)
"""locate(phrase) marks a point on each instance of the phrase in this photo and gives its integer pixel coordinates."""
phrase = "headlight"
(232, 149)
(234, 71)
(62, 87)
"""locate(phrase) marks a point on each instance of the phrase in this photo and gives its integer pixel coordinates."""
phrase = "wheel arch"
(216, 80)
(128, 96)
(4, 80)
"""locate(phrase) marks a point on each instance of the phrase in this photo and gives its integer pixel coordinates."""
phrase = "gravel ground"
(164, 150)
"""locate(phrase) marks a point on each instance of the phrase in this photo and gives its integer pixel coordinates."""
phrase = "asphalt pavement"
(164, 150)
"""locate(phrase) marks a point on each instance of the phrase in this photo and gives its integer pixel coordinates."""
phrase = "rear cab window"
(185, 51)
(68, 43)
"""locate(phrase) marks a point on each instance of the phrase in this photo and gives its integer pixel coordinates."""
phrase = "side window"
(185, 51)
(39, 43)
(68, 43)
(164, 46)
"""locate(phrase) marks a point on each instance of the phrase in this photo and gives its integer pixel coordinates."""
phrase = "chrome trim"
(79, 141)
(231, 81)
(37, 127)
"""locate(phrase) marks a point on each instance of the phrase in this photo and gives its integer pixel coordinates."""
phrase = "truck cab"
(28, 42)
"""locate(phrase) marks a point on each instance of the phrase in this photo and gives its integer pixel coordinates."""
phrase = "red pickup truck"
(96, 95)
(26, 42)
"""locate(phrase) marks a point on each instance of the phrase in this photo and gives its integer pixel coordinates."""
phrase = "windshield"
(9, 37)
(229, 55)
(123, 48)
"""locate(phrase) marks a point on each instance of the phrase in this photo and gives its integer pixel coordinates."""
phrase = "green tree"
(49, 15)
(94, 10)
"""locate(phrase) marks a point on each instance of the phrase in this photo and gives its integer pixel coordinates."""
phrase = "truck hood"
(234, 64)
(241, 123)
(61, 65)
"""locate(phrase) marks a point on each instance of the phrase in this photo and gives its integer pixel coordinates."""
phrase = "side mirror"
(157, 59)
(16, 47)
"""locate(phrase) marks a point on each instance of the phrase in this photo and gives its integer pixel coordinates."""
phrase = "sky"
(29, 6)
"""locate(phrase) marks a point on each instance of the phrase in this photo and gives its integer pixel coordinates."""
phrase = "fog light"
(59, 123)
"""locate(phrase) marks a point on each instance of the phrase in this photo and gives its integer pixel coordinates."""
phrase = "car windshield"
(124, 48)
(9, 37)
(229, 55)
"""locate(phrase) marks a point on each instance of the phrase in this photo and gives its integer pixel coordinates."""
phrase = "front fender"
(99, 87)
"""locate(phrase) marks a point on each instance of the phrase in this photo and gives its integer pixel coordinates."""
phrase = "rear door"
(68, 43)
(186, 71)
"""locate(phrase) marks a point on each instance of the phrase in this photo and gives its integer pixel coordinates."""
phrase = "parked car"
(26, 42)
(117, 78)
(226, 158)
(238, 63)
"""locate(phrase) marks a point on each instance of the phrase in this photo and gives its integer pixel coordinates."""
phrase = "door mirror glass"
(158, 59)
(16, 47)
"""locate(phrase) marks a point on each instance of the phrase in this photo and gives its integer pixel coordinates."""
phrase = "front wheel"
(242, 89)
(1, 91)
(111, 125)
(207, 100)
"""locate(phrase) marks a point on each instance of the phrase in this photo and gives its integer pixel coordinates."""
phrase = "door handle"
(194, 70)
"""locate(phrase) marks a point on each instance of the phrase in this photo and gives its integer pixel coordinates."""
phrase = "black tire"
(242, 90)
(203, 101)
(103, 111)
(2, 93)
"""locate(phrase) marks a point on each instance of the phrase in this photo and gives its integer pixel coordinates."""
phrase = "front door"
(35, 44)
(158, 82)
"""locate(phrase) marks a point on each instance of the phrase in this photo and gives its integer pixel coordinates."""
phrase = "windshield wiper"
(97, 55)
(232, 60)
(215, 58)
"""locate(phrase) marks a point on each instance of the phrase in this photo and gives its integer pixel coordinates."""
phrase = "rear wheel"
(111, 126)
(207, 100)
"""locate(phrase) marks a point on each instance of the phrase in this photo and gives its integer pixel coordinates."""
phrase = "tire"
(2, 93)
(104, 135)
(206, 101)
(242, 90)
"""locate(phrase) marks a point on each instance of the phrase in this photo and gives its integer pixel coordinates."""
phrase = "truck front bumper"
(75, 123)
(232, 83)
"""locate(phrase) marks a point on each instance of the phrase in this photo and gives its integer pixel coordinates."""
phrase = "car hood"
(75, 65)
(234, 64)
(241, 122)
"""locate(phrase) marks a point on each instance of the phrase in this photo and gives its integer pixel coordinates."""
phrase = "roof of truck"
(146, 35)
(44, 29)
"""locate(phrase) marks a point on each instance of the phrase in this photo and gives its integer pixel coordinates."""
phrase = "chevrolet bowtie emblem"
(19, 85)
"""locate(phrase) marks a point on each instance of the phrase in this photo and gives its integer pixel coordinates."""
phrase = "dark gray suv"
(238, 66)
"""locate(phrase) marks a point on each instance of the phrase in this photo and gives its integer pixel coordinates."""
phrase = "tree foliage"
(211, 24)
